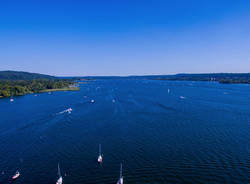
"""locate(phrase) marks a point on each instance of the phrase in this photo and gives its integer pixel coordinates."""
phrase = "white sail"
(59, 171)
(59, 180)
(120, 181)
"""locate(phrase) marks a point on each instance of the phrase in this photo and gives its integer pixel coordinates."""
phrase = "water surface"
(162, 132)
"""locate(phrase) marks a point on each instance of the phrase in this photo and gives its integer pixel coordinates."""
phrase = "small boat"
(11, 100)
(113, 100)
(59, 180)
(120, 181)
(168, 90)
(182, 97)
(17, 174)
(99, 159)
(92, 101)
(68, 110)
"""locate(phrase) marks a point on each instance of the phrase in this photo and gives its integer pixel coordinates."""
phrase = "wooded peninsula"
(11, 85)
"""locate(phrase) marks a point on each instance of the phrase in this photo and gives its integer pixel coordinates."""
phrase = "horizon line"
(133, 75)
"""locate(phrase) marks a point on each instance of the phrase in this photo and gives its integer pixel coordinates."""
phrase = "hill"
(13, 83)
(225, 78)
(18, 75)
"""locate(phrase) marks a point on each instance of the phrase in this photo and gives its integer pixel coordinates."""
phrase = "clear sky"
(125, 37)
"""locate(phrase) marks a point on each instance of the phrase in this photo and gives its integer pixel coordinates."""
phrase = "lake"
(162, 132)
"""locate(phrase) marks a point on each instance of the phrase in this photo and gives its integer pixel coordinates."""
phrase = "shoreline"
(218, 81)
(60, 89)
(47, 90)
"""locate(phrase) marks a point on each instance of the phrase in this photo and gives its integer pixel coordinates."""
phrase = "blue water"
(159, 137)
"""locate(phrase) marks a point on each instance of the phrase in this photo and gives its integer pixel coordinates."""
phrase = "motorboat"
(17, 174)
(69, 110)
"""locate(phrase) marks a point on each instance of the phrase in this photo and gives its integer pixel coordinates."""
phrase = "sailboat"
(120, 181)
(100, 154)
(60, 180)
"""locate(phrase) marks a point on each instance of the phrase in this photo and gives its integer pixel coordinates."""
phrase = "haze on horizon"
(133, 37)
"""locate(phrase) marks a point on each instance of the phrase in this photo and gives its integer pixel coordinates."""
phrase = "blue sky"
(125, 37)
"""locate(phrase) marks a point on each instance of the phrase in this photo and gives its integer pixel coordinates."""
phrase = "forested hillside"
(14, 83)
(16, 75)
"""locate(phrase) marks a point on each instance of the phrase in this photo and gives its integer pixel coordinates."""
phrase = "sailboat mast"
(59, 172)
(100, 149)
(121, 171)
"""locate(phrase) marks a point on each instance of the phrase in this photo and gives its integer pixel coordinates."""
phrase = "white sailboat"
(99, 159)
(59, 180)
(120, 181)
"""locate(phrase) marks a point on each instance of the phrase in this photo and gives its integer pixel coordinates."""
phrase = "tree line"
(21, 87)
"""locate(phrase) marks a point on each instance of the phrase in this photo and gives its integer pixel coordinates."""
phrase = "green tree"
(5, 93)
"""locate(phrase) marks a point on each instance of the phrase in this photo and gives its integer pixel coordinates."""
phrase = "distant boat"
(120, 181)
(92, 101)
(99, 159)
(60, 180)
(113, 100)
(11, 100)
(182, 97)
(68, 110)
(17, 174)
(168, 90)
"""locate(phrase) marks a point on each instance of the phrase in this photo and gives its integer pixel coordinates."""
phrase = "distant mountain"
(18, 75)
